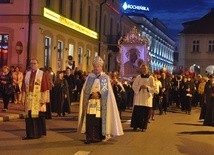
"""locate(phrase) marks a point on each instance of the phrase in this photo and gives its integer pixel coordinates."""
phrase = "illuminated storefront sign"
(132, 7)
(69, 23)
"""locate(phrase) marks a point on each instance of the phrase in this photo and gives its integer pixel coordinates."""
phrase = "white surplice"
(143, 97)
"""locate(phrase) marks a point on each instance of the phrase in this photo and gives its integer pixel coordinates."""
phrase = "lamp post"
(29, 33)
(100, 26)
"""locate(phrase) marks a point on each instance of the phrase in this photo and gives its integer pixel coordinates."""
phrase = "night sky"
(173, 13)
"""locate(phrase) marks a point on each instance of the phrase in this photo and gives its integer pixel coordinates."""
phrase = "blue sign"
(134, 8)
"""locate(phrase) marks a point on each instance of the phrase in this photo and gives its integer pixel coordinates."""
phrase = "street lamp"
(29, 33)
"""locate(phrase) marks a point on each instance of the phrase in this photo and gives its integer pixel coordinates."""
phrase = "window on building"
(48, 3)
(81, 14)
(80, 49)
(104, 25)
(121, 29)
(124, 30)
(59, 54)
(47, 51)
(71, 50)
(5, 1)
(96, 20)
(3, 49)
(71, 8)
(211, 46)
(88, 57)
(195, 47)
(118, 28)
(111, 27)
(89, 16)
(60, 6)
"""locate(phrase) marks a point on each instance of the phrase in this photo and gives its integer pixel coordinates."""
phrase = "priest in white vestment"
(98, 113)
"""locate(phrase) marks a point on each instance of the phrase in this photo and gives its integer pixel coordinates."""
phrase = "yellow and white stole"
(32, 99)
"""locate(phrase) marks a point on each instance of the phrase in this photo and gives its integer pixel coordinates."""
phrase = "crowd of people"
(10, 85)
(103, 97)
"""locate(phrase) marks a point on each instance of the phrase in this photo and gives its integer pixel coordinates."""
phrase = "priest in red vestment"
(35, 96)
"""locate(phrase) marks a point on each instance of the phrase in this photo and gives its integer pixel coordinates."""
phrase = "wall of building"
(202, 58)
(161, 47)
(15, 22)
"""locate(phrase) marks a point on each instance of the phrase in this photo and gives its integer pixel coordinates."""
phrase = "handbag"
(9, 89)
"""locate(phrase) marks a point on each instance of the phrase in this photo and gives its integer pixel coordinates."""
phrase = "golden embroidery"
(33, 98)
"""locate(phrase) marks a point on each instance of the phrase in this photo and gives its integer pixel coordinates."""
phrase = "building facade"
(161, 46)
(196, 44)
(52, 30)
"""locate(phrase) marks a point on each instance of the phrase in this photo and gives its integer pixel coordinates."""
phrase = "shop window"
(5, 1)
(3, 49)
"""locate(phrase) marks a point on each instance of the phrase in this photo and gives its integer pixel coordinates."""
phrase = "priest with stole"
(98, 113)
(35, 96)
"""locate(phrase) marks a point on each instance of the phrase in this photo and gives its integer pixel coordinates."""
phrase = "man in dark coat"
(70, 78)
(209, 101)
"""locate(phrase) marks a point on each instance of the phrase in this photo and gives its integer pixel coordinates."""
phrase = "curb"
(10, 117)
